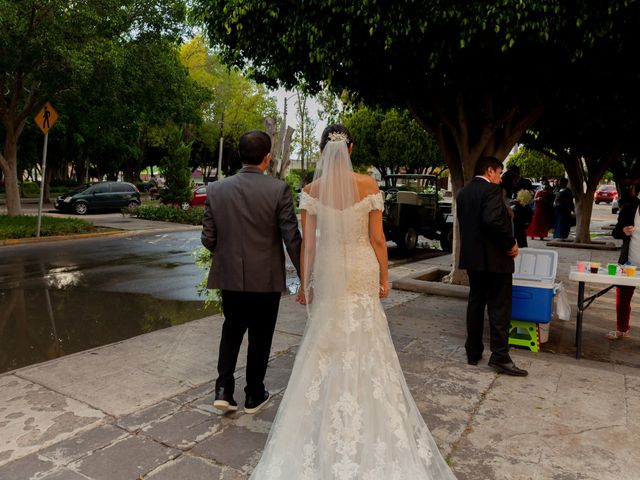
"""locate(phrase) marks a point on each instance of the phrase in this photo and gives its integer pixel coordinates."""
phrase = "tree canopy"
(391, 141)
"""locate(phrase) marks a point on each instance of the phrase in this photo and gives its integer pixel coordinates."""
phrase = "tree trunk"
(463, 137)
(584, 175)
(9, 164)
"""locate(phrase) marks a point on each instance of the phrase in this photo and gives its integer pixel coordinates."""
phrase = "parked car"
(99, 196)
(198, 197)
(605, 193)
(614, 206)
(413, 207)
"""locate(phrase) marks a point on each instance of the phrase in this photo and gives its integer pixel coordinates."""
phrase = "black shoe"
(255, 404)
(508, 368)
(224, 401)
(473, 361)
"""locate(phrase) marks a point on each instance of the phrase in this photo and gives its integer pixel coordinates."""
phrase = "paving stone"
(81, 445)
(194, 394)
(236, 447)
(145, 417)
(184, 428)
(186, 467)
(26, 467)
(34, 417)
(128, 459)
(64, 474)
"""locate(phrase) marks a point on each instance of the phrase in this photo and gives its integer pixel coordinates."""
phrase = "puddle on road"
(41, 324)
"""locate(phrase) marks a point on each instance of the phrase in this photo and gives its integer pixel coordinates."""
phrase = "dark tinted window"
(121, 187)
(101, 188)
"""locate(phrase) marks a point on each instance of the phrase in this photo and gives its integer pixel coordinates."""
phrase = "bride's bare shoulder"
(366, 184)
(308, 188)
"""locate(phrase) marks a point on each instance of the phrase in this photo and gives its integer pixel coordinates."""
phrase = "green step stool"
(525, 334)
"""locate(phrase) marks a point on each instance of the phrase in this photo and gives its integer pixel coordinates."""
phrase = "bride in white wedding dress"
(347, 412)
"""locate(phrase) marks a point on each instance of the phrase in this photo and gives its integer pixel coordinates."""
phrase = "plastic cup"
(581, 266)
(612, 269)
(595, 266)
(631, 270)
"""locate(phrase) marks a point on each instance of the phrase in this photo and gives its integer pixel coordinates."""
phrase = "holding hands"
(628, 231)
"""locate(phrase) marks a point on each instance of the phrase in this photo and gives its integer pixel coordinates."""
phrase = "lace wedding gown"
(347, 412)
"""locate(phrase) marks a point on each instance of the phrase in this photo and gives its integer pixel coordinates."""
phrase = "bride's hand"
(384, 289)
(300, 297)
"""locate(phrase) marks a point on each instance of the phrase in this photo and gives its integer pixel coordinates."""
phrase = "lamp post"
(219, 172)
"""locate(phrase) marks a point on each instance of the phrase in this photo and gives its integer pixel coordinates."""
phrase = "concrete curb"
(428, 281)
(588, 246)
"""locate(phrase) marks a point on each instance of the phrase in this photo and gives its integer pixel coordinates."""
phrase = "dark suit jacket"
(486, 234)
(246, 219)
(626, 218)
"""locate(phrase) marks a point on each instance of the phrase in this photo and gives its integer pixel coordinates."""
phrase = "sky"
(312, 104)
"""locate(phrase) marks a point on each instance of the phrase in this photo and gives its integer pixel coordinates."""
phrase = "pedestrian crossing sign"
(46, 118)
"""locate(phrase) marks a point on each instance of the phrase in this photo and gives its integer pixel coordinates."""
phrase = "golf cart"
(413, 207)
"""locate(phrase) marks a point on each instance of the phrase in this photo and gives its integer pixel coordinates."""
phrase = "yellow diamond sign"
(46, 117)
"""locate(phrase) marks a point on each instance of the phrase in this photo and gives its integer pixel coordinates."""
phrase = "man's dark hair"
(485, 162)
(335, 128)
(253, 147)
(563, 182)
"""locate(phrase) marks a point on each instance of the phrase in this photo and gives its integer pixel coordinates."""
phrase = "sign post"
(45, 120)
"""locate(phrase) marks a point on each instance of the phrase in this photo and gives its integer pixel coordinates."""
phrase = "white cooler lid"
(536, 265)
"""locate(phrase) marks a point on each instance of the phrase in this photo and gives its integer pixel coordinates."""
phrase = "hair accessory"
(338, 137)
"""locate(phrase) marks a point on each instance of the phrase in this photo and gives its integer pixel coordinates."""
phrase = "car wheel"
(446, 240)
(408, 240)
(81, 208)
(614, 210)
(132, 204)
(597, 202)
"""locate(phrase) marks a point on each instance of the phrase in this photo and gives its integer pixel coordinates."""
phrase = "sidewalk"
(142, 408)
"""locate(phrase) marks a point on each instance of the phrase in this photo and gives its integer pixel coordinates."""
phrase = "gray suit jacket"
(246, 219)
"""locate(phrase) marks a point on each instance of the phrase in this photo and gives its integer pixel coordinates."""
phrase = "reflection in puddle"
(79, 319)
(63, 277)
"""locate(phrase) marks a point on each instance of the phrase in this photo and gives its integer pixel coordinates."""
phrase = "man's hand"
(628, 231)
(513, 253)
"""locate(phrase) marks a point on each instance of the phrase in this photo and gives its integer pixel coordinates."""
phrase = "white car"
(614, 206)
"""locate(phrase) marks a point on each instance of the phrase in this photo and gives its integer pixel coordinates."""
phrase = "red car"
(198, 197)
(605, 193)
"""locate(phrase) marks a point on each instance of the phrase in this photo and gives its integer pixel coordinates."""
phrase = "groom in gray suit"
(246, 219)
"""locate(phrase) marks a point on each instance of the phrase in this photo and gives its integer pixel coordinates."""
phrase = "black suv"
(99, 196)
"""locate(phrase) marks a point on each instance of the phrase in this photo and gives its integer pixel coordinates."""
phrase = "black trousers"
(491, 290)
(257, 313)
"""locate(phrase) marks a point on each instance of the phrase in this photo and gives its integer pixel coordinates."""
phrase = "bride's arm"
(307, 251)
(379, 244)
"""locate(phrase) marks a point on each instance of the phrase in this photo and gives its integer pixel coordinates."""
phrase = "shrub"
(29, 189)
(166, 213)
(24, 226)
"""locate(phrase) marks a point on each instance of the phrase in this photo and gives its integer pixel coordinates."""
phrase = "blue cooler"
(533, 285)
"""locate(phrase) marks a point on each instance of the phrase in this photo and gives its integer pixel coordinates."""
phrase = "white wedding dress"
(347, 412)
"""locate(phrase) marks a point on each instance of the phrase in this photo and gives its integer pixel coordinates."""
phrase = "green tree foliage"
(175, 169)
(457, 65)
(392, 142)
(535, 164)
(237, 104)
(52, 46)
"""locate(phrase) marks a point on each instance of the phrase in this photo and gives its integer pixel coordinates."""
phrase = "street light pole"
(219, 172)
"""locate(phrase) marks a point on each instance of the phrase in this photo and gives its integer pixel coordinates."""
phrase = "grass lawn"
(24, 226)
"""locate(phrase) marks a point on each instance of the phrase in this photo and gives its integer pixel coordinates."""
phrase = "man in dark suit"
(246, 219)
(487, 250)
